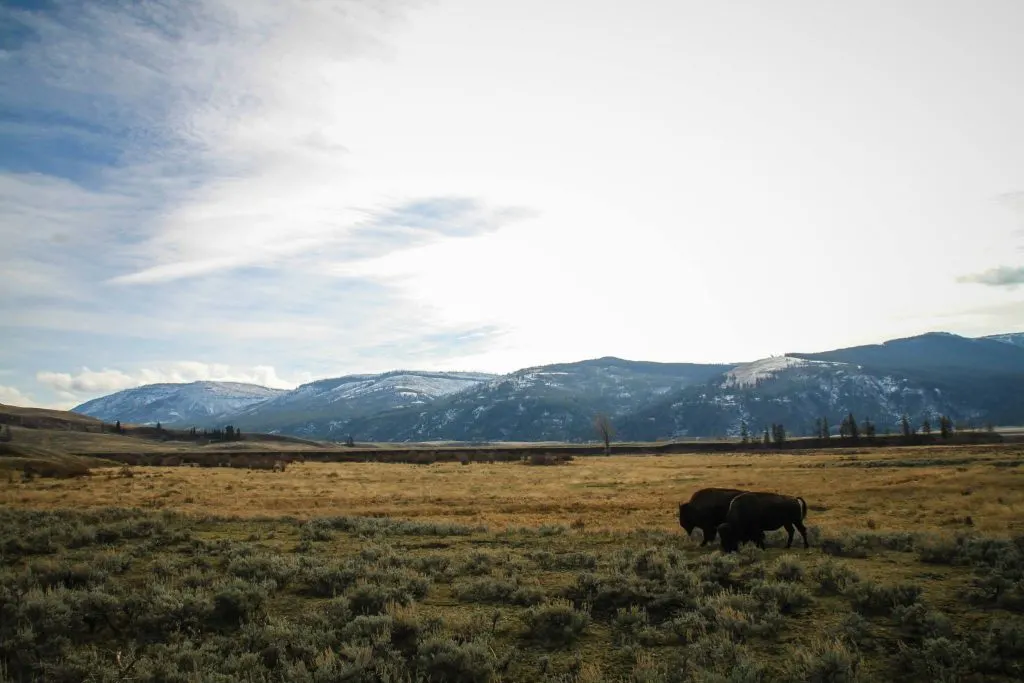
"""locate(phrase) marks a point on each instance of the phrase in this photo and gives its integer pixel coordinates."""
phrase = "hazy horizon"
(273, 192)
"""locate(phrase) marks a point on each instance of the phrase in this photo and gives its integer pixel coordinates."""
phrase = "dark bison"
(753, 513)
(706, 510)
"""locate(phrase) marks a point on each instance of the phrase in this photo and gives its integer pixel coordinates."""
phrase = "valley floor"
(575, 572)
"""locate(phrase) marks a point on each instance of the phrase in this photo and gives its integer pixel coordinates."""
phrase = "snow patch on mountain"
(750, 374)
(1014, 338)
(177, 403)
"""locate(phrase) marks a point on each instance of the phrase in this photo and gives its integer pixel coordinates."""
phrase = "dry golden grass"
(71, 441)
(919, 488)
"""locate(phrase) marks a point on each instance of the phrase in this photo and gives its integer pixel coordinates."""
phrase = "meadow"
(510, 572)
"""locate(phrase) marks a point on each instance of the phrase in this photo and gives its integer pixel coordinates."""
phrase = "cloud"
(199, 150)
(333, 186)
(96, 382)
(1003, 276)
(1013, 201)
(12, 396)
(408, 224)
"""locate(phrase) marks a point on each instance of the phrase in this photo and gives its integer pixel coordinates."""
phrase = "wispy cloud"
(13, 396)
(92, 382)
(1003, 276)
(175, 173)
(323, 186)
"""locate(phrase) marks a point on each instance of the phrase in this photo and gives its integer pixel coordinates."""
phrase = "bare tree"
(603, 425)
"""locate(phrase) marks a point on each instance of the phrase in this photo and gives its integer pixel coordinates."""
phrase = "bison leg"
(759, 540)
(789, 530)
(803, 533)
(709, 535)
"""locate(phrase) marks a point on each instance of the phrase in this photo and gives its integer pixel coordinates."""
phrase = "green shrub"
(444, 661)
(686, 628)
(919, 621)
(788, 598)
(371, 598)
(48, 574)
(787, 568)
(238, 601)
(941, 660)
(833, 578)
(655, 563)
(562, 561)
(431, 565)
(717, 568)
(1001, 648)
(373, 630)
(938, 550)
(825, 661)
(327, 581)
(279, 568)
(853, 628)
(556, 623)
(604, 594)
(494, 590)
(316, 530)
(629, 623)
(868, 597)
(477, 564)
(716, 657)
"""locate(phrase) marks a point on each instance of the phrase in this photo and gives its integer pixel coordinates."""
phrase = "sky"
(275, 191)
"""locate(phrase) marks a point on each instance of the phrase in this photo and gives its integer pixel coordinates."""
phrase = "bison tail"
(803, 508)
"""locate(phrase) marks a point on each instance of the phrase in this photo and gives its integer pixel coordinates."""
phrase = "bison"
(753, 513)
(706, 510)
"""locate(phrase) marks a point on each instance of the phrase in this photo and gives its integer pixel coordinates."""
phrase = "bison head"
(686, 520)
(729, 538)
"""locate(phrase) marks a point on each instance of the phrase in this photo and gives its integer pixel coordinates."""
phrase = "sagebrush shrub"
(1001, 648)
(371, 598)
(826, 661)
(556, 623)
(239, 601)
(833, 577)
(368, 629)
(868, 597)
(717, 568)
(787, 568)
(922, 622)
(444, 661)
(494, 590)
(854, 628)
(628, 622)
(941, 660)
(788, 598)
(939, 550)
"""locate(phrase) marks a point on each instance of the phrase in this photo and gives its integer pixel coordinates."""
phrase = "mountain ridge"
(971, 379)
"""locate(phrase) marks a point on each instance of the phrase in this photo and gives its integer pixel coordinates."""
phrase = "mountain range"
(972, 380)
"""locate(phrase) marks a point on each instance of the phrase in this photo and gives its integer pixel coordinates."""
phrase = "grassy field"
(575, 572)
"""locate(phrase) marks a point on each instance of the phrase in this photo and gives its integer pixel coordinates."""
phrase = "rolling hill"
(177, 404)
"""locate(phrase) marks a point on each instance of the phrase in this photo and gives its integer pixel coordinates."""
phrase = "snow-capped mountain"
(320, 408)
(970, 380)
(546, 403)
(195, 403)
(1015, 338)
(973, 381)
(794, 394)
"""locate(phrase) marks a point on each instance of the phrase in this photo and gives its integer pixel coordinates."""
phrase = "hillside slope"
(796, 393)
(181, 405)
(317, 408)
(546, 403)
